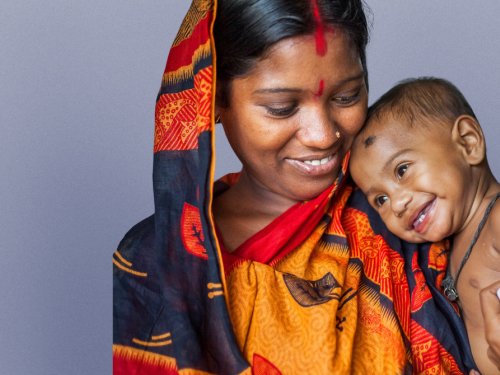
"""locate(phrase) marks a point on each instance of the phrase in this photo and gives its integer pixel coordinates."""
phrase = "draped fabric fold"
(324, 289)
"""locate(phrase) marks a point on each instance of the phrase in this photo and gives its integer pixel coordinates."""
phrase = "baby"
(421, 161)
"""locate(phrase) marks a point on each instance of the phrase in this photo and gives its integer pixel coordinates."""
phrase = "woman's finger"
(490, 306)
(490, 302)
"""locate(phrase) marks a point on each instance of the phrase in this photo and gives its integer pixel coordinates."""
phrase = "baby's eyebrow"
(369, 192)
(370, 140)
(394, 156)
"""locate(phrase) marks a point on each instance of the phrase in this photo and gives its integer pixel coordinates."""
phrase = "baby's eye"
(380, 200)
(401, 170)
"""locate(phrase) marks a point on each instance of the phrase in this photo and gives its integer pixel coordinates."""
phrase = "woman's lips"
(316, 170)
(422, 216)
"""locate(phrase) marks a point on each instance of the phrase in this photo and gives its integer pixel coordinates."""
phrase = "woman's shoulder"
(135, 253)
(141, 232)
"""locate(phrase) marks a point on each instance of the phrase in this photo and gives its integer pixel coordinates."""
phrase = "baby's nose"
(400, 203)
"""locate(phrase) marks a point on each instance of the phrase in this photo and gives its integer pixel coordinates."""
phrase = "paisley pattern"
(324, 289)
(309, 293)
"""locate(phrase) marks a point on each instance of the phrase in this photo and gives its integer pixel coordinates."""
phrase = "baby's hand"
(490, 305)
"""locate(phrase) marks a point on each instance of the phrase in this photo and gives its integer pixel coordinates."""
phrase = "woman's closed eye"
(282, 112)
(401, 170)
(346, 100)
(380, 200)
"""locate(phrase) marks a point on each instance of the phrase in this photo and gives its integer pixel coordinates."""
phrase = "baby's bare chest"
(480, 270)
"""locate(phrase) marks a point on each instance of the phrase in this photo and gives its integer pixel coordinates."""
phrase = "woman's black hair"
(245, 29)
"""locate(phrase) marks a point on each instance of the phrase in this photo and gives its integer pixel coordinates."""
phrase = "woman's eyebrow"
(276, 90)
(353, 78)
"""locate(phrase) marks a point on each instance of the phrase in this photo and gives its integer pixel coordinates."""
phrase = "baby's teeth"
(316, 162)
(325, 160)
(421, 218)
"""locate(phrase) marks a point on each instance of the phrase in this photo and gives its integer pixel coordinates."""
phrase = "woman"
(293, 273)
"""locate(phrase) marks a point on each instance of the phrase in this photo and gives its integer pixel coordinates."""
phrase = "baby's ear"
(468, 135)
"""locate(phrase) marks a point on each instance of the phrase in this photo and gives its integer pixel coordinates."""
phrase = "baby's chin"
(414, 237)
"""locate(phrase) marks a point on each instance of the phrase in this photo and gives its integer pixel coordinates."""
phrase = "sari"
(324, 289)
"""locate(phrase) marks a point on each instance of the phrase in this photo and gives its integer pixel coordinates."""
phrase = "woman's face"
(283, 120)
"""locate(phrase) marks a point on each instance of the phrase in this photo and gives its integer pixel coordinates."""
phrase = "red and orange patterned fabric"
(324, 289)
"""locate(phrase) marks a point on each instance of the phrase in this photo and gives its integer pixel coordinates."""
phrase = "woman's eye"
(401, 170)
(281, 112)
(380, 200)
(347, 100)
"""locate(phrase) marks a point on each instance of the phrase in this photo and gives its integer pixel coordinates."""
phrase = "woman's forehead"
(295, 61)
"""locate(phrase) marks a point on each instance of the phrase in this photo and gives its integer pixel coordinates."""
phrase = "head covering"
(163, 295)
(324, 289)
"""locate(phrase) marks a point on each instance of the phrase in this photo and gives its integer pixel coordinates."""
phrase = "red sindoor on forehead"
(320, 31)
(320, 90)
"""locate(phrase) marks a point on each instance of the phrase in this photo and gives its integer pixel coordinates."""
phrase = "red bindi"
(320, 32)
(320, 90)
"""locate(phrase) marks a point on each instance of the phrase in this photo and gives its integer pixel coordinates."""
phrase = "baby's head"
(419, 159)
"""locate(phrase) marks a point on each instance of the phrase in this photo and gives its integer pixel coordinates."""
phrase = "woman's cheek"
(349, 131)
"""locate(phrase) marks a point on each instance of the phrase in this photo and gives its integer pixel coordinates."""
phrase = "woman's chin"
(308, 189)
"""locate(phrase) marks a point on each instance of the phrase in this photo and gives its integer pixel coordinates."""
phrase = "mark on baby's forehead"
(370, 140)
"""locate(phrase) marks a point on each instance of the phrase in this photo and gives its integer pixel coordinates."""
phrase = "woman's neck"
(245, 209)
(255, 196)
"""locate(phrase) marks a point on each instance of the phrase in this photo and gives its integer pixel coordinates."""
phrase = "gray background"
(78, 82)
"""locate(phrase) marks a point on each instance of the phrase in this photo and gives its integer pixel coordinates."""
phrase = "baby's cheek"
(397, 229)
(354, 169)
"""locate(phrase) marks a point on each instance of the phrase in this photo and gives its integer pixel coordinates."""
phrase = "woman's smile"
(316, 165)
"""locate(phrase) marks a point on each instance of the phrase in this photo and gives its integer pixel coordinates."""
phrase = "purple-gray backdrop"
(78, 82)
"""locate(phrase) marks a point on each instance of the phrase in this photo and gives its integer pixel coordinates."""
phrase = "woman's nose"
(400, 203)
(317, 131)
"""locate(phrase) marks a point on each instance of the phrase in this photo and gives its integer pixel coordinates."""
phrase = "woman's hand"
(490, 306)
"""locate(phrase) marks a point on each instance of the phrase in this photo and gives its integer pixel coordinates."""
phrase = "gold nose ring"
(337, 133)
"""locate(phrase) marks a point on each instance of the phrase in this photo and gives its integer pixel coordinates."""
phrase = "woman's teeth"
(319, 162)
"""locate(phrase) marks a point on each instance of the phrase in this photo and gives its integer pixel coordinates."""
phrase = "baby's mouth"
(422, 214)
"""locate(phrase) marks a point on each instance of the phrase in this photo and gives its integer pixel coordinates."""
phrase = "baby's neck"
(487, 188)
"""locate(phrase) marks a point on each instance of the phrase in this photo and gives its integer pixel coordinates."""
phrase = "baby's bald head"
(422, 101)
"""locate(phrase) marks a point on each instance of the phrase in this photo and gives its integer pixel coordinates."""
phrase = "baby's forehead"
(388, 130)
(382, 131)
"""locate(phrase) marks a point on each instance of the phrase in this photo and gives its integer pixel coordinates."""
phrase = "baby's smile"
(421, 216)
